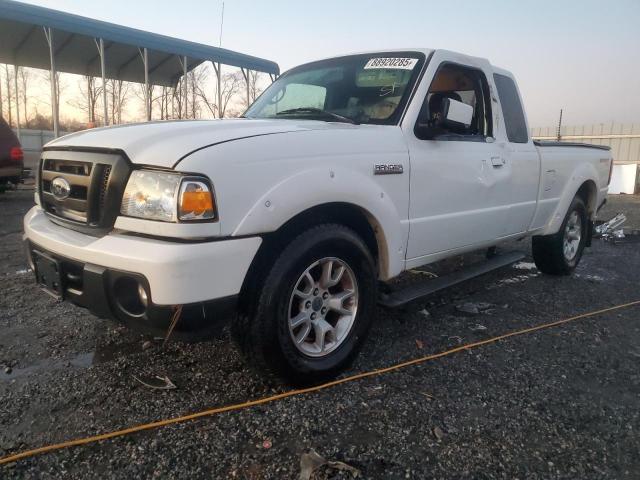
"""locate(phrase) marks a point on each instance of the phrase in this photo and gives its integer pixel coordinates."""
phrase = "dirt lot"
(559, 403)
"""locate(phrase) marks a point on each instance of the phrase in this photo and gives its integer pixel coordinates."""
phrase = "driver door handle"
(498, 162)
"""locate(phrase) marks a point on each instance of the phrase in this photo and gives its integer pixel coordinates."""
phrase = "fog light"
(142, 293)
(130, 296)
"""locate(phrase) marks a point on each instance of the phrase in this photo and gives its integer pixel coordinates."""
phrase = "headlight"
(168, 197)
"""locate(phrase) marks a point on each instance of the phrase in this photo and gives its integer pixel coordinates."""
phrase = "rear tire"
(310, 315)
(560, 253)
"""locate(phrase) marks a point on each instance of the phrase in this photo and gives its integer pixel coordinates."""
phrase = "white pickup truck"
(343, 174)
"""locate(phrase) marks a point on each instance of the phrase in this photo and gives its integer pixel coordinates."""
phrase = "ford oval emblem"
(60, 188)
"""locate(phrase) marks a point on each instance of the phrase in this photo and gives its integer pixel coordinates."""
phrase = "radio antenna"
(559, 134)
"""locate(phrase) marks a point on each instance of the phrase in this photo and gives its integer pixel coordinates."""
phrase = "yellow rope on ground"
(291, 393)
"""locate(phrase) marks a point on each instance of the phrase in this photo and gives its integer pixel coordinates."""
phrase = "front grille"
(78, 175)
(87, 197)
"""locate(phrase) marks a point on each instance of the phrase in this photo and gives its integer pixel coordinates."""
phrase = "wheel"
(560, 253)
(314, 308)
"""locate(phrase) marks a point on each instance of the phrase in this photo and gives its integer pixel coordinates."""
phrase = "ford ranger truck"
(343, 174)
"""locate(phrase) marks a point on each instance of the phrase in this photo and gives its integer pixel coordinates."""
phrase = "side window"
(511, 109)
(463, 84)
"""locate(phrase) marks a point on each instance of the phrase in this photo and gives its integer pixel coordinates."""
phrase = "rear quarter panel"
(563, 171)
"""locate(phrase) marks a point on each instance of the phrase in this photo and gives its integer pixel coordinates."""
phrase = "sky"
(579, 55)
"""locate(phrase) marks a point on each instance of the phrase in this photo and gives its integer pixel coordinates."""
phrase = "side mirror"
(455, 116)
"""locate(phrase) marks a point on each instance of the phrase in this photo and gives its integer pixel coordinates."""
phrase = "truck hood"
(164, 143)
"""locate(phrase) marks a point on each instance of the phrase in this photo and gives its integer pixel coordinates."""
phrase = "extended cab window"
(463, 84)
(512, 111)
(357, 89)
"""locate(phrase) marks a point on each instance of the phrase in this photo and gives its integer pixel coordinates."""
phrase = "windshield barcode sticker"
(397, 63)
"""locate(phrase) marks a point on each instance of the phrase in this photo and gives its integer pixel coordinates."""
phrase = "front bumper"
(203, 278)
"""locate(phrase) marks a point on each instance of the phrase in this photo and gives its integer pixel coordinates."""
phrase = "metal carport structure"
(38, 37)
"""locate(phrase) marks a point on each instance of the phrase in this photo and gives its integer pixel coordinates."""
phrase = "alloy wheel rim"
(323, 307)
(572, 236)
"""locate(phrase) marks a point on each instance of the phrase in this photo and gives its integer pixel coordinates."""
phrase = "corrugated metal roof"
(22, 42)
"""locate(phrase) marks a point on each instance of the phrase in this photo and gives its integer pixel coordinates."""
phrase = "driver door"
(460, 178)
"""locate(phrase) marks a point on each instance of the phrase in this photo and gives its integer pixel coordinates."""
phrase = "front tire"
(560, 253)
(314, 308)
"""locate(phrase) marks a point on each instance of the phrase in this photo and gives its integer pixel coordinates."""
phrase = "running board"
(416, 291)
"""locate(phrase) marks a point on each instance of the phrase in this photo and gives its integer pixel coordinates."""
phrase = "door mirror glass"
(455, 114)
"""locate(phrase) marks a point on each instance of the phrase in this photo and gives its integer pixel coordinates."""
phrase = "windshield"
(355, 89)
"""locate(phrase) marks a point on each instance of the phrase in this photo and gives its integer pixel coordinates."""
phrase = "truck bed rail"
(555, 143)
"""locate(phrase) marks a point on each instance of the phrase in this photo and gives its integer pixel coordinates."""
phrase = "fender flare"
(335, 185)
(584, 173)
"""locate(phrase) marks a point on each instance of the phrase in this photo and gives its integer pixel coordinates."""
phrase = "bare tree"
(8, 77)
(231, 83)
(192, 89)
(60, 87)
(118, 90)
(177, 101)
(39, 121)
(93, 93)
(150, 92)
(146, 93)
(164, 100)
(200, 91)
(198, 78)
(89, 97)
(255, 89)
(23, 78)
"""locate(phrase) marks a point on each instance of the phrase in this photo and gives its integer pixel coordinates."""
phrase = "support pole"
(105, 106)
(220, 90)
(215, 68)
(219, 75)
(48, 33)
(146, 83)
(90, 106)
(147, 95)
(184, 87)
(15, 84)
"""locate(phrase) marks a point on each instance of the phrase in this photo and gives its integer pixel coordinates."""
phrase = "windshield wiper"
(314, 110)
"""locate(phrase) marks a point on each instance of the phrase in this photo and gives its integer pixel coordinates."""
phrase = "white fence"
(624, 141)
(34, 140)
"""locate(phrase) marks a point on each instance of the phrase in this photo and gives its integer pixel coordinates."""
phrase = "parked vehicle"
(343, 174)
(11, 156)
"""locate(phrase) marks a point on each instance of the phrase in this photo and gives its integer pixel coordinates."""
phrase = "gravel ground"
(559, 403)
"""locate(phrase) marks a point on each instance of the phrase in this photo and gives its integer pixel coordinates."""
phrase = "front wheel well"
(349, 215)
